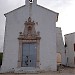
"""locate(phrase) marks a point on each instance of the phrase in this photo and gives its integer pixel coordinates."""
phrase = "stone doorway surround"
(29, 36)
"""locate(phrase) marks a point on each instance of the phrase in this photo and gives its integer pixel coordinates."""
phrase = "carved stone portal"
(29, 36)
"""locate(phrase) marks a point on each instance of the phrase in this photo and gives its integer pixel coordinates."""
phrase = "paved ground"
(63, 71)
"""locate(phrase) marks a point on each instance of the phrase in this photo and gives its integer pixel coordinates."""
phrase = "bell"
(30, 0)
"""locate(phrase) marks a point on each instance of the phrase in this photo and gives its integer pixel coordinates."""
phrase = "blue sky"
(65, 8)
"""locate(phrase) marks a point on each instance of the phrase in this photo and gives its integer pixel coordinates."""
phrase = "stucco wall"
(46, 25)
(70, 40)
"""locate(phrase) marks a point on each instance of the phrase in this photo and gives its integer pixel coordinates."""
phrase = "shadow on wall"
(1, 56)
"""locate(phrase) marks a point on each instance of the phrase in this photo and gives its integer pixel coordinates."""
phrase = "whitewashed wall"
(70, 40)
(46, 25)
(60, 45)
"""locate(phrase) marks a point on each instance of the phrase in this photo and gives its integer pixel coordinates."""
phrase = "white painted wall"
(46, 25)
(70, 40)
(60, 45)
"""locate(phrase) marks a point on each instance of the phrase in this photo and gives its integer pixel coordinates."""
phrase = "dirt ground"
(62, 71)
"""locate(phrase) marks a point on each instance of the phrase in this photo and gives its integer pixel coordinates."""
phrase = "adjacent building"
(70, 49)
(61, 55)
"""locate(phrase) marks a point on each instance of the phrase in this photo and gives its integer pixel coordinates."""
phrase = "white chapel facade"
(30, 38)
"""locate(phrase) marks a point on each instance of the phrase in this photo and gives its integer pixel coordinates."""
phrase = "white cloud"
(15, 2)
(55, 4)
(67, 19)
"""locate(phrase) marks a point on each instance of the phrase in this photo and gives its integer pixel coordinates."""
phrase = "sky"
(65, 8)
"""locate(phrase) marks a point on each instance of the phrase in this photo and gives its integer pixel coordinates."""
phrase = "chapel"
(30, 39)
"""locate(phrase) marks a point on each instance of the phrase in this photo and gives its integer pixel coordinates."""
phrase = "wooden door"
(29, 55)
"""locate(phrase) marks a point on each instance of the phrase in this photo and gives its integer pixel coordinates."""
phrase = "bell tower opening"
(31, 1)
